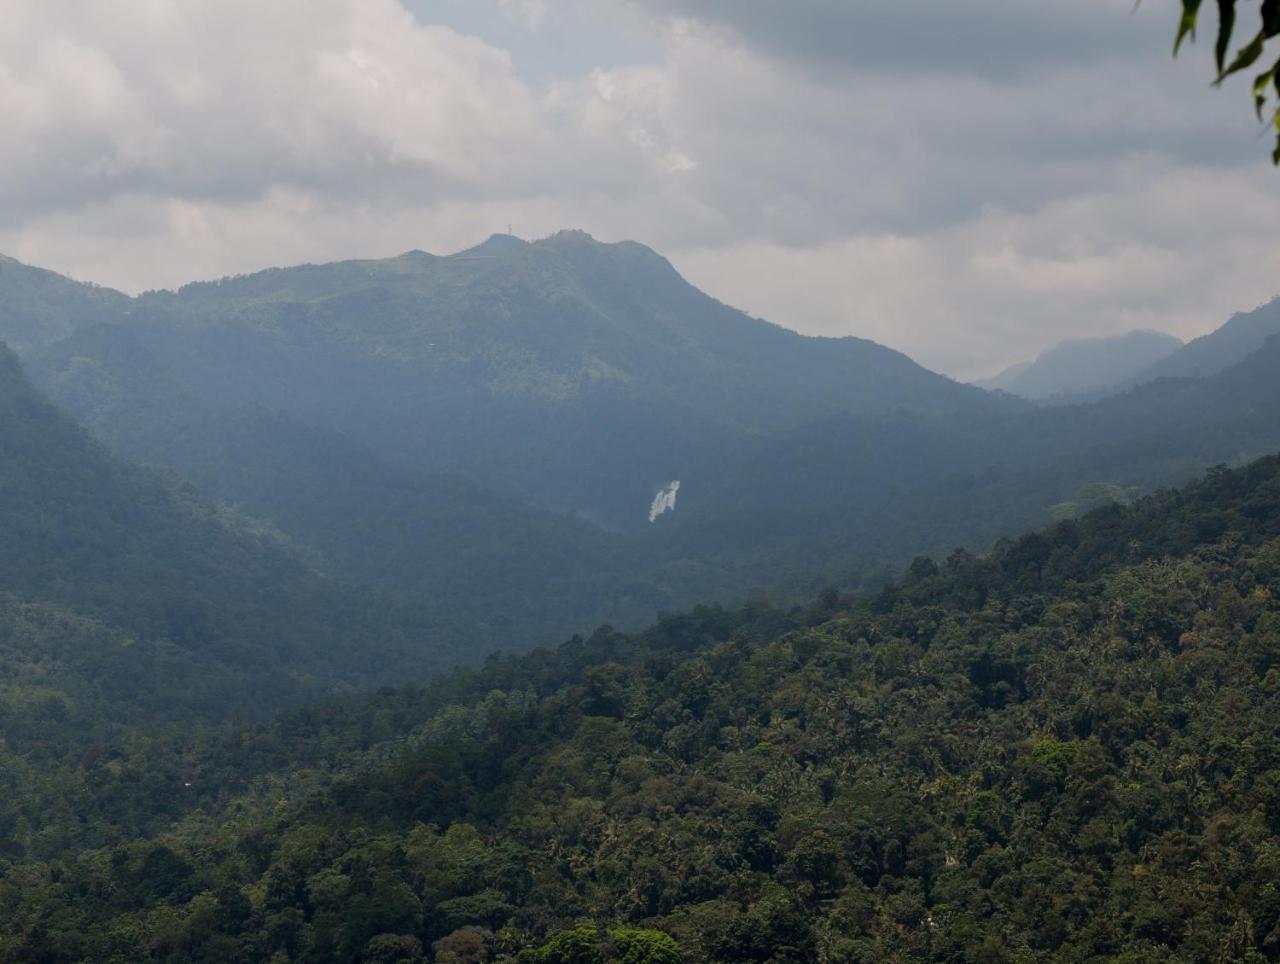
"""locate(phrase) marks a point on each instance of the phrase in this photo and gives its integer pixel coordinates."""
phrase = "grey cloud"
(785, 157)
(992, 38)
(834, 166)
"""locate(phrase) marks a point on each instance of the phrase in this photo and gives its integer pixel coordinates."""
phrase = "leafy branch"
(1266, 85)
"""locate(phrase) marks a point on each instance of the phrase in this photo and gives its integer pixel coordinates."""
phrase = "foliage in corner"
(1266, 84)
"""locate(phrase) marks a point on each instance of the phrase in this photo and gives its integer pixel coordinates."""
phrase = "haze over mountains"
(1085, 366)
(1082, 370)
(504, 363)
(483, 436)
(1239, 337)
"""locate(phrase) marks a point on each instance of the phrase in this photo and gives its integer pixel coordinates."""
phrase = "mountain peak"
(573, 234)
(495, 246)
(1241, 335)
(1084, 365)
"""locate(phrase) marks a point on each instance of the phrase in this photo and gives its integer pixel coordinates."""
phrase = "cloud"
(1006, 39)
(1177, 250)
(531, 14)
(827, 164)
(230, 99)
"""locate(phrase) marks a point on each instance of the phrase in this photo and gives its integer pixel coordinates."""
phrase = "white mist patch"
(665, 500)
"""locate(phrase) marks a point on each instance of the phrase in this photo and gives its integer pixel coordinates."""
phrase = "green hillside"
(38, 307)
(181, 608)
(1064, 750)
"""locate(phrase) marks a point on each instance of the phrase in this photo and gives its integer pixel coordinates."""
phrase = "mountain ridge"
(425, 359)
(1231, 342)
(1082, 368)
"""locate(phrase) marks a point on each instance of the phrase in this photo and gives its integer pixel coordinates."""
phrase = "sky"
(966, 182)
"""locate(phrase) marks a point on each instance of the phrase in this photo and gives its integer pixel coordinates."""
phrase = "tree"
(1266, 85)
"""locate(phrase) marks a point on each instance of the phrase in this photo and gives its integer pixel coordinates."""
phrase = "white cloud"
(228, 99)
(1177, 251)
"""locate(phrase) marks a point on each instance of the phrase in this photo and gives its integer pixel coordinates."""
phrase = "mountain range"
(476, 441)
(1084, 366)
(1088, 369)
(503, 364)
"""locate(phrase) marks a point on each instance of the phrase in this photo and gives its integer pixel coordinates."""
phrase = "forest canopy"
(1063, 750)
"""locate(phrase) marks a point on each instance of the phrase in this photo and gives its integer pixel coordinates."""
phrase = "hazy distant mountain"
(464, 433)
(409, 422)
(563, 373)
(1085, 366)
(1234, 341)
(847, 497)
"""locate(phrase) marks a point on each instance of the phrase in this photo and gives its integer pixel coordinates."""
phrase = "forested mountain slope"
(587, 376)
(1240, 336)
(1065, 750)
(178, 608)
(402, 421)
(38, 307)
(563, 373)
(514, 575)
(846, 500)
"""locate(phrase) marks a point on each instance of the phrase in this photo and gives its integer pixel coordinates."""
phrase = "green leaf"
(1190, 11)
(1245, 58)
(1226, 26)
(1270, 17)
(1260, 85)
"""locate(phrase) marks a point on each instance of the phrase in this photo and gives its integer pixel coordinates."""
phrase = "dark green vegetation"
(1065, 750)
(1085, 367)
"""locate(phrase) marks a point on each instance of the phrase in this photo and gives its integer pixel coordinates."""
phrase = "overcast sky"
(965, 181)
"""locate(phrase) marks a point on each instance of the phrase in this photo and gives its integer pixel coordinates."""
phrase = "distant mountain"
(482, 437)
(563, 373)
(1085, 366)
(845, 500)
(1234, 341)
